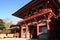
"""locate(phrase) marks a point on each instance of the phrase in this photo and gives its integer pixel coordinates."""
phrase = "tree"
(1, 24)
(7, 25)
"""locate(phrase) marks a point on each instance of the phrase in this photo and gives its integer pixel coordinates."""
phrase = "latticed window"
(43, 33)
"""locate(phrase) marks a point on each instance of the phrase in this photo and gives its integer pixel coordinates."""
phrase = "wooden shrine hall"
(39, 17)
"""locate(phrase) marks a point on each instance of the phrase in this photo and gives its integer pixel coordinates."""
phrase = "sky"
(8, 7)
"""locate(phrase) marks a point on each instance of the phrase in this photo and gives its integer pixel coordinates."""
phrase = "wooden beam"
(39, 14)
(43, 12)
(41, 24)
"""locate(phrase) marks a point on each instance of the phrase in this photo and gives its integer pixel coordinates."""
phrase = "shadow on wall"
(42, 36)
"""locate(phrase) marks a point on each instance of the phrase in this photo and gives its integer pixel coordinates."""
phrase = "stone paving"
(16, 39)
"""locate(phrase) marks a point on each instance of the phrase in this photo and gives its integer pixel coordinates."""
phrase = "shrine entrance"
(33, 31)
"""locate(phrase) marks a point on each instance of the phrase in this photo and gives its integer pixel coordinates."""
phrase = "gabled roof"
(24, 10)
(20, 10)
(19, 13)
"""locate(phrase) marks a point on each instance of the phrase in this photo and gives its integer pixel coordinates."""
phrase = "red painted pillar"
(48, 26)
(48, 29)
(26, 30)
(51, 33)
(37, 30)
(21, 31)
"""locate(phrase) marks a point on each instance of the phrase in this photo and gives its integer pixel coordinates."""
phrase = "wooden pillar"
(48, 28)
(49, 25)
(21, 31)
(37, 30)
(26, 30)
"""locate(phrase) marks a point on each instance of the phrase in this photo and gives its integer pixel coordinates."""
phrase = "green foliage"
(1, 24)
(2, 28)
(7, 25)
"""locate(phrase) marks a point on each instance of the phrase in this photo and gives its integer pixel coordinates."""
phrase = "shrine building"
(39, 16)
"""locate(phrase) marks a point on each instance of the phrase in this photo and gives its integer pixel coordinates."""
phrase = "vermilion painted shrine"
(39, 16)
